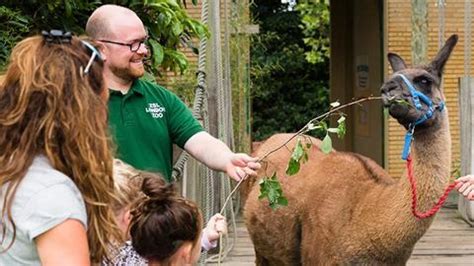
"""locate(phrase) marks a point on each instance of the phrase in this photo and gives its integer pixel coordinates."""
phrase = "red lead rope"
(435, 209)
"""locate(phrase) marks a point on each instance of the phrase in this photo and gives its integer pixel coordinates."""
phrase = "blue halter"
(417, 96)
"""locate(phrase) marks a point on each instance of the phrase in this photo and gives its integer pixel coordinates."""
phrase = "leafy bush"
(166, 20)
(289, 85)
(14, 26)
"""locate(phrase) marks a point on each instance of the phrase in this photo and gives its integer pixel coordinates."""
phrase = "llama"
(343, 207)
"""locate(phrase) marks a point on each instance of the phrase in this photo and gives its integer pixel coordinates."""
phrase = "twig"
(298, 133)
(317, 119)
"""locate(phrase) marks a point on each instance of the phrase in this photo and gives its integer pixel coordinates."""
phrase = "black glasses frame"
(130, 45)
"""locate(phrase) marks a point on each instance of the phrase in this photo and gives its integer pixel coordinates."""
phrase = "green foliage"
(326, 145)
(166, 21)
(270, 188)
(315, 26)
(300, 153)
(287, 90)
(13, 27)
(169, 26)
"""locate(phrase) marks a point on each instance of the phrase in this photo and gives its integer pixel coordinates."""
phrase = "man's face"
(120, 60)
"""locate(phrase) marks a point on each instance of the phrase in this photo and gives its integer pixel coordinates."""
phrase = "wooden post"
(419, 23)
(466, 101)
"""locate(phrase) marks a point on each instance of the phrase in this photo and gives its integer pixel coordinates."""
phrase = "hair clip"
(57, 36)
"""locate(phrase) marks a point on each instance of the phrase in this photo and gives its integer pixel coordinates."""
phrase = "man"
(145, 118)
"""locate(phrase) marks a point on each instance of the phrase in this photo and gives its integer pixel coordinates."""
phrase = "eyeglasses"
(134, 46)
(95, 53)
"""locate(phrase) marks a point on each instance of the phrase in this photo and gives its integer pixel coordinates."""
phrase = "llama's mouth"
(401, 110)
(406, 114)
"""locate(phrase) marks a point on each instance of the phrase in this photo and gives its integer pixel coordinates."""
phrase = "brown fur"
(343, 207)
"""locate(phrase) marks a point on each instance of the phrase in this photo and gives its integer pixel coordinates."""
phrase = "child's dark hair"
(162, 221)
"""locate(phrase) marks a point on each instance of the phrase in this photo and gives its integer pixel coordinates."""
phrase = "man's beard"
(127, 73)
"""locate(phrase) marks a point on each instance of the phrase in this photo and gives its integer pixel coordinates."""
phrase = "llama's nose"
(389, 89)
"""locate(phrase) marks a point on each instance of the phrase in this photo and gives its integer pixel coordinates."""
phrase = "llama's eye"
(423, 83)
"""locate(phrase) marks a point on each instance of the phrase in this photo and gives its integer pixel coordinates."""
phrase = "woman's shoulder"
(41, 175)
(44, 191)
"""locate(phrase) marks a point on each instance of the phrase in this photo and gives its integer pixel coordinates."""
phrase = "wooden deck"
(449, 241)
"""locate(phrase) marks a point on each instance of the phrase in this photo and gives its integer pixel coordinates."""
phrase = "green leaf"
(293, 167)
(341, 127)
(270, 188)
(297, 151)
(298, 154)
(283, 201)
(341, 119)
(177, 28)
(158, 52)
(333, 130)
(326, 145)
(323, 125)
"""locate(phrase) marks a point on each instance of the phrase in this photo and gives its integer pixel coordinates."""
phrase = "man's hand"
(217, 156)
(241, 165)
(465, 186)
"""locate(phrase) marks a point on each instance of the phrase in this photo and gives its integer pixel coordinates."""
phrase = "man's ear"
(103, 50)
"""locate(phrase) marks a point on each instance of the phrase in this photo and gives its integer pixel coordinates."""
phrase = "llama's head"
(404, 101)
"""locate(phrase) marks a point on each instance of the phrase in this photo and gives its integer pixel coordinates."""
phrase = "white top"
(44, 199)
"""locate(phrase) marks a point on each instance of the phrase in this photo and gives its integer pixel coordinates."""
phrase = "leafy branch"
(270, 187)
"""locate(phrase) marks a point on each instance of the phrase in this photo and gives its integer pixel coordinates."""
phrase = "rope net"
(218, 72)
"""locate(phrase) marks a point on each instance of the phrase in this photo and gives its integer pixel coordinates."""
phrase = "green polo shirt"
(146, 122)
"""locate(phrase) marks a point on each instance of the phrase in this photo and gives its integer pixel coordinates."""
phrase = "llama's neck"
(431, 153)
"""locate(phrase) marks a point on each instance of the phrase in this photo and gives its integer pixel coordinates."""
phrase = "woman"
(55, 162)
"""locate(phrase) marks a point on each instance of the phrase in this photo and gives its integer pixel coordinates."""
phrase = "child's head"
(128, 181)
(165, 227)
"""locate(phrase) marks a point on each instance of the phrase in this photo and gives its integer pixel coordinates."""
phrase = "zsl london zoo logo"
(155, 110)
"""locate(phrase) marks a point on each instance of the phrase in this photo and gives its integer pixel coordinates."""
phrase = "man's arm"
(216, 155)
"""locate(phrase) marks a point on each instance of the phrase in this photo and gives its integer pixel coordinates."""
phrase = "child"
(161, 222)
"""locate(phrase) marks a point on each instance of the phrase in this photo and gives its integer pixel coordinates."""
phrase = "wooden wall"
(398, 39)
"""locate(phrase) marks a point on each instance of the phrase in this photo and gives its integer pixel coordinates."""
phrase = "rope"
(436, 207)
(200, 92)
(208, 186)
(224, 114)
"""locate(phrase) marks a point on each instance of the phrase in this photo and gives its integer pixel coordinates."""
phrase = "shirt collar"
(135, 88)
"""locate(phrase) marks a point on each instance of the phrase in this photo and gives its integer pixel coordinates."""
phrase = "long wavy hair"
(49, 106)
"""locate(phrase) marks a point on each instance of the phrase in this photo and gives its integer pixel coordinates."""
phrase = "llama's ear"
(396, 62)
(437, 65)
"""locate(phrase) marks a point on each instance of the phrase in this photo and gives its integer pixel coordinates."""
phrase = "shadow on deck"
(449, 241)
